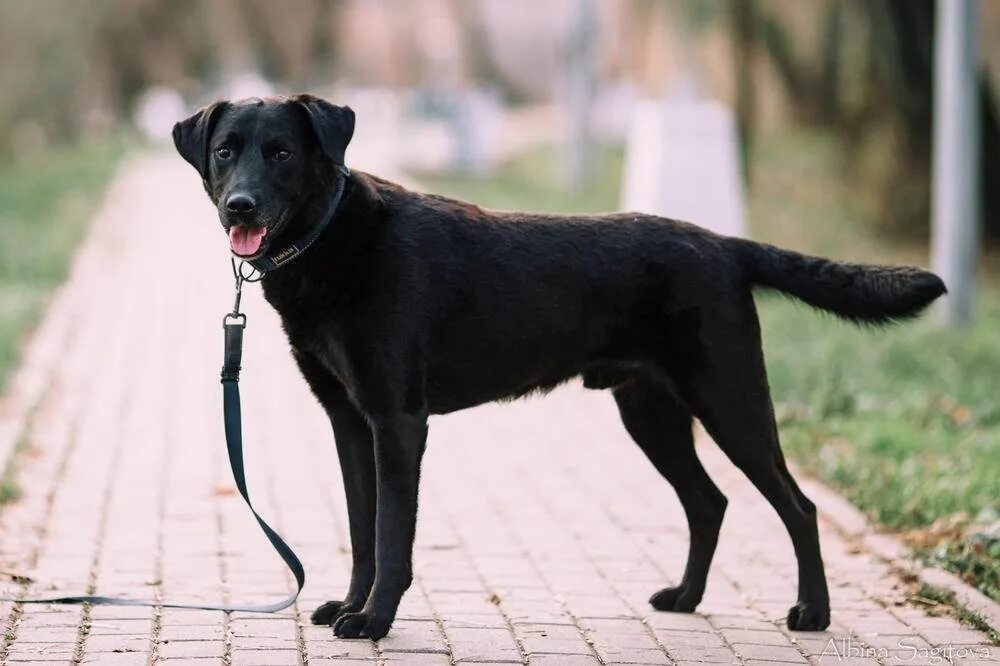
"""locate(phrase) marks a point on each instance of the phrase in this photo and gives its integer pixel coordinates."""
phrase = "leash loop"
(234, 324)
(245, 272)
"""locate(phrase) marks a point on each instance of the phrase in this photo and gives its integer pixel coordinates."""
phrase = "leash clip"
(237, 318)
(234, 319)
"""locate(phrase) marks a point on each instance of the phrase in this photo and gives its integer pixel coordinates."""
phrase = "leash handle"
(233, 323)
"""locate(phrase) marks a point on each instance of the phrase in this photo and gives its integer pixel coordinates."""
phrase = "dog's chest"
(327, 340)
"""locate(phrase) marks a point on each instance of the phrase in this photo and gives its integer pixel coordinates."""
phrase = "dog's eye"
(282, 156)
(223, 152)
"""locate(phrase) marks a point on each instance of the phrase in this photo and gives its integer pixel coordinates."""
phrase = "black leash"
(233, 324)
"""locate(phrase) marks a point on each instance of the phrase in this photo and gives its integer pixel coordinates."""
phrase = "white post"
(581, 80)
(955, 196)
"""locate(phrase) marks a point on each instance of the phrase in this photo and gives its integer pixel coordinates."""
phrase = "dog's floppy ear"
(333, 125)
(191, 136)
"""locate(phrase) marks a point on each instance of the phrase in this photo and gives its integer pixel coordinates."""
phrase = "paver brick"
(848, 661)
(672, 639)
(564, 659)
(117, 658)
(772, 653)
(483, 645)
(321, 644)
(552, 639)
(418, 659)
(710, 655)
(289, 657)
(188, 649)
(35, 652)
(195, 632)
(46, 635)
(755, 637)
(414, 636)
(117, 643)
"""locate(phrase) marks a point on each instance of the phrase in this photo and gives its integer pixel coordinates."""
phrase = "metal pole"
(956, 190)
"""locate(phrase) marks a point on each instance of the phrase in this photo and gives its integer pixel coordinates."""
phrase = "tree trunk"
(743, 25)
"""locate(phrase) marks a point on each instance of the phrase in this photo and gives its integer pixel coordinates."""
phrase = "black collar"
(281, 257)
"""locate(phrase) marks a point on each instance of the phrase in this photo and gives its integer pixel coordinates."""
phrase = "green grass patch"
(905, 421)
(45, 204)
(10, 491)
(968, 618)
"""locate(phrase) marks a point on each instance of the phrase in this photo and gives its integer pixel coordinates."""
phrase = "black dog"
(409, 304)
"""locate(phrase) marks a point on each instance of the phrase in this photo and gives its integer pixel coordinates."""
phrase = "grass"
(45, 204)
(969, 618)
(10, 489)
(905, 420)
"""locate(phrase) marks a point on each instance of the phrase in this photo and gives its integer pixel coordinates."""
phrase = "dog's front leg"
(399, 446)
(357, 463)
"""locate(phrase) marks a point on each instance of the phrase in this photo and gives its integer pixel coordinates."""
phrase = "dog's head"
(262, 161)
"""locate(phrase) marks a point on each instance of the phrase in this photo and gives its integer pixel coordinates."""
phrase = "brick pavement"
(542, 529)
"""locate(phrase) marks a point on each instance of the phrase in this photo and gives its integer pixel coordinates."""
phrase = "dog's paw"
(363, 624)
(809, 616)
(678, 599)
(327, 613)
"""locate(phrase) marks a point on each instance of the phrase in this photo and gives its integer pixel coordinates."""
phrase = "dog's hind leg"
(729, 394)
(661, 426)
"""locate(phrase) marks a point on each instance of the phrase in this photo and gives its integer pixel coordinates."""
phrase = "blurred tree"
(68, 67)
(270, 26)
(882, 103)
(744, 28)
(476, 49)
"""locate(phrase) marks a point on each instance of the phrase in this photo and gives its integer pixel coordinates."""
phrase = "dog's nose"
(240, 203)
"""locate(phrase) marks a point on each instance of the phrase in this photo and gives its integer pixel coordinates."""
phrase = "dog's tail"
(857, 292)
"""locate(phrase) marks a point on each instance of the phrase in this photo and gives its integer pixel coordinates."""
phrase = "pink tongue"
(245, 240)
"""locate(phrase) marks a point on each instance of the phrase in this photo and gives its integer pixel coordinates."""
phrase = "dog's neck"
(335, 264)
(316, 210)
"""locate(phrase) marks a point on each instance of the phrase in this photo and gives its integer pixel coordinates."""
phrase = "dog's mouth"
(249, 241)
(245, 240)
